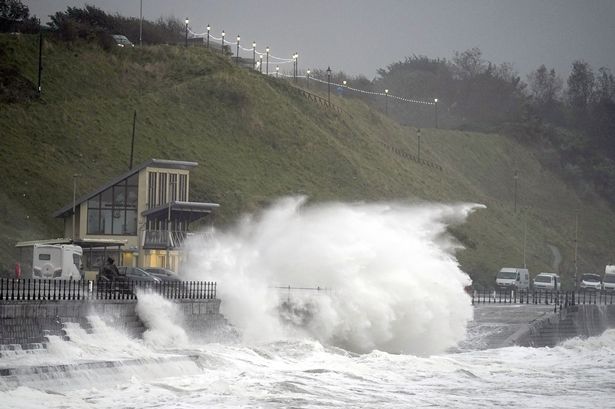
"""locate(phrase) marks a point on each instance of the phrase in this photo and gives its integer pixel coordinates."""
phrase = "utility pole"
(576, 245)
(515, 177)
(141, 24)
(132, 143)
(75, 176)
(40, 61)
(524, 238)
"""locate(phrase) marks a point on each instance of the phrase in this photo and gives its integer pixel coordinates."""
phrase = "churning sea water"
(379, 337)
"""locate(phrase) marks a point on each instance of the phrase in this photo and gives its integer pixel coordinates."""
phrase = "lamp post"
(296, 58)
(328, 85)
(75, 176)
(223, 34)
(141, 23)
(40, 61)
(307, 79)
(253, 54)
(576, 245)
(267, 51)
(208, 28)
(261, 63)
(187, 21)
(418, 136)
(237, 59)
(515, 177)
(435, 101)
(386, 101)
(277, 71)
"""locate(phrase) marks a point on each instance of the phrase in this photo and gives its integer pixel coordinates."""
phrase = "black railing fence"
(559, 299)
(55, 290)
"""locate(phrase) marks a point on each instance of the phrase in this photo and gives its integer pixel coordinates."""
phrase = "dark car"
(163, 274)
(137, 274)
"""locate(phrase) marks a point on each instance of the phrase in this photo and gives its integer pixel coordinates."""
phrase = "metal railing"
(559, 299)
(56, 290)
(163, 239)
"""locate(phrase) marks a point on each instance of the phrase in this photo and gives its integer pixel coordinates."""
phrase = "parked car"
(137, 274)
(122, 41)
(163, 274)
(608, 282)
(590, 282)
(547, 281)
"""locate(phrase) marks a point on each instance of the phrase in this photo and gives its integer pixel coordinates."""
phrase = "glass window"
(151, 190)
(173, 187)
(94, 203)
(44, 256)
(119, 196)
(131, 222)
(106, 199)
(183, 188)
(131, 197)
(133, 180)
(162, 188)
(106, 221)
(77, 261)
(94, 221)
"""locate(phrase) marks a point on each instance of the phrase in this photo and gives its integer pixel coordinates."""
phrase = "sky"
(361, 36)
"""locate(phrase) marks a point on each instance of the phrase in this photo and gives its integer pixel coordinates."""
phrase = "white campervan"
(608, 282)
(56, 261)
(513, 278)
(547, 281)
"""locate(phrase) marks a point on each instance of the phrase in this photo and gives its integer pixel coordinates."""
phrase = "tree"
(13, 10)
(545, 88)
(580, 90)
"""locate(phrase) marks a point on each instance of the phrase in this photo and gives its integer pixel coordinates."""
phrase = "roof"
(159, 163)
(84, 243)
(194, 210)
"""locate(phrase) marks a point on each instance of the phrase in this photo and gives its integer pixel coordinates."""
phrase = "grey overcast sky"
(360, 36)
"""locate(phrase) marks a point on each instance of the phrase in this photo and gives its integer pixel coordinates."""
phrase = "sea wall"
(575, 321)
(30, 323)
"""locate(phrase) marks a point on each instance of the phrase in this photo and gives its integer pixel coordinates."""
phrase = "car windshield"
(507, 274)
(542, 279)
(591, 277)
(609, 278)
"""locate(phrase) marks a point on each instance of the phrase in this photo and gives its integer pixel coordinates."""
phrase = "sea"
(376, 316)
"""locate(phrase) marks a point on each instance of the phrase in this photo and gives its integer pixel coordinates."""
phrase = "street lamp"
(307, 78)
(386, 101)
(253, 54)
(296, 58)
(223, 34)
(187, 21)
(435, 101)
(238, 38)
(141, 23)
(261, 63)
(208, 28)
(418, 135)
(329, 85)
(75, 176)
(515, 177)
(277, 71)
(267, 51)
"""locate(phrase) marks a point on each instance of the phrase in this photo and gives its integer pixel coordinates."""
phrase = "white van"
(608, 282)
(56, 261)
(547, 281)
(513, 278)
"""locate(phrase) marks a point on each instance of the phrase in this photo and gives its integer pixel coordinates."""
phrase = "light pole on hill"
(277, 71)
(386, 101)
(329, 85)
(187, 21)
(261, 63)
(307, 79)
(516, 178)
(435, 102)
(253, 54)
(208, 29)
(223, 34)
(238, 39)
(418, 136)
(141, 23)
(267, 61)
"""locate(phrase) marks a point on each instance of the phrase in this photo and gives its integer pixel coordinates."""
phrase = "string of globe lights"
(207, 36)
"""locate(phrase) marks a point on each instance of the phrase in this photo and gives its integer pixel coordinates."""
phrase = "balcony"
(163, 239)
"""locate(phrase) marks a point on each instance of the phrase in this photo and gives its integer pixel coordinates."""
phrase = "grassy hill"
(255, 139)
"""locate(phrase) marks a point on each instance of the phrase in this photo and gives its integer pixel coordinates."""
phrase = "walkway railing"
(559, 299)
(56, 290)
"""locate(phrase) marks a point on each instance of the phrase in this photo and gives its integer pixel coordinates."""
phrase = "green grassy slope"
(256, 139)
